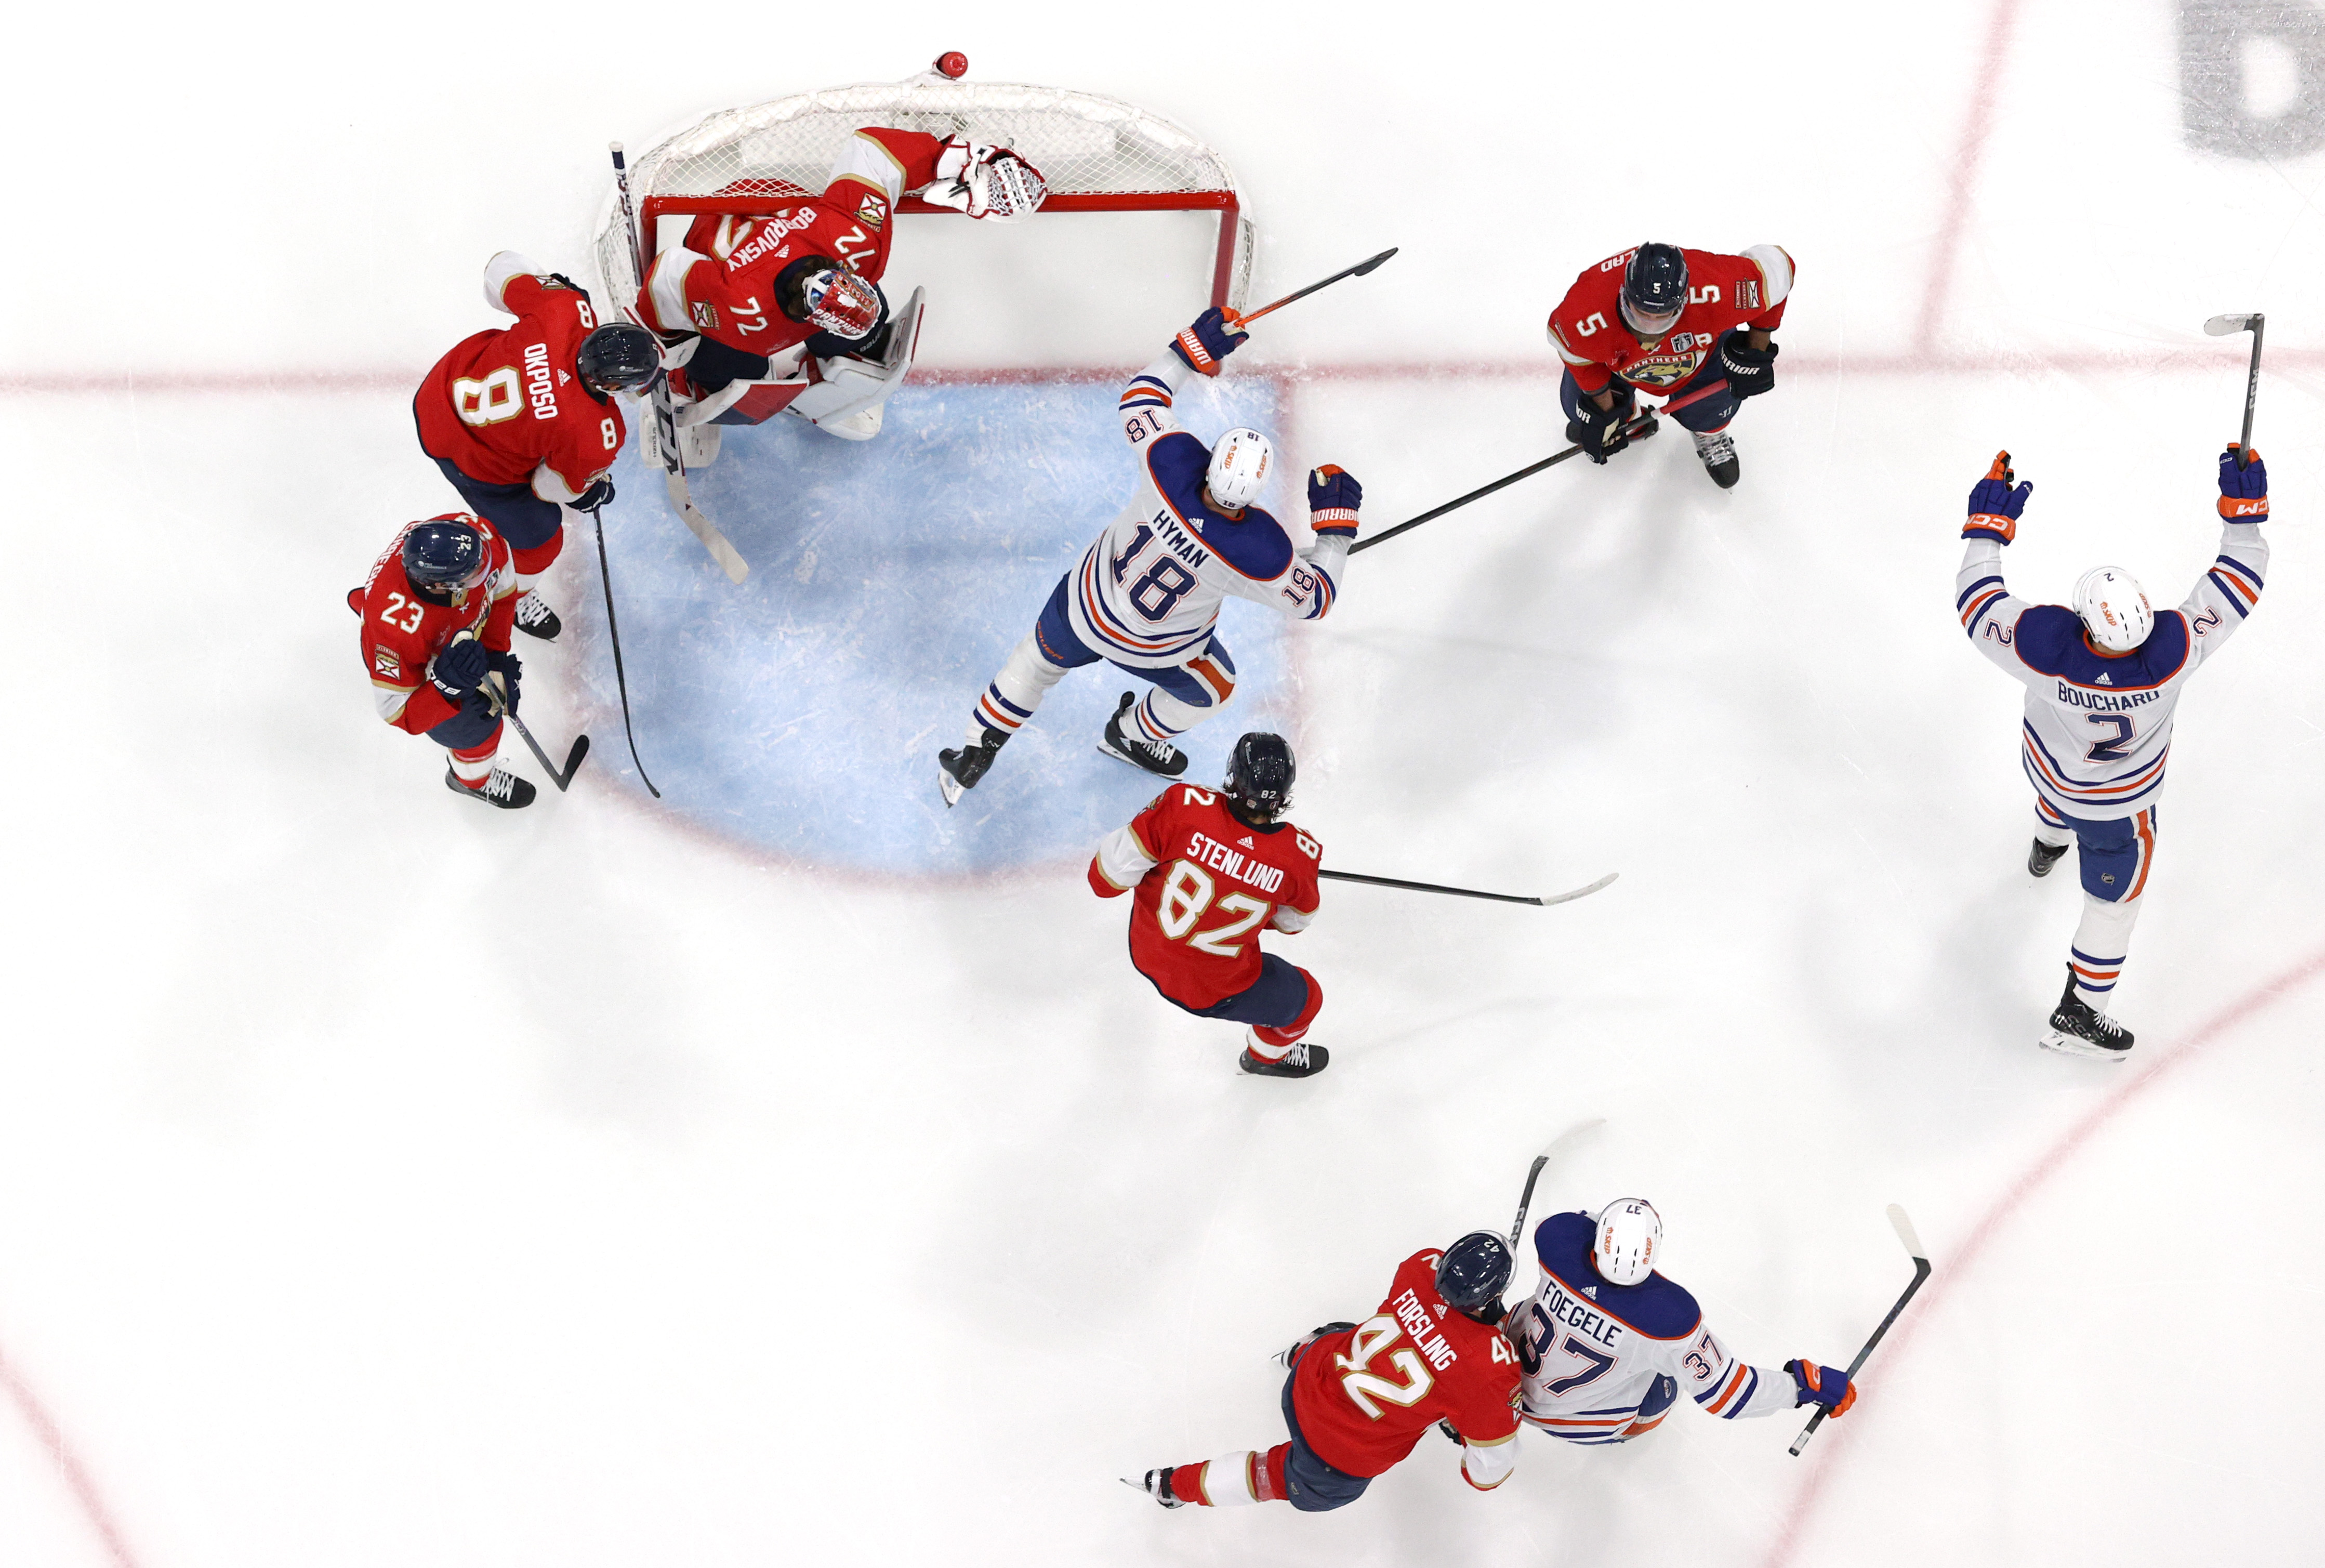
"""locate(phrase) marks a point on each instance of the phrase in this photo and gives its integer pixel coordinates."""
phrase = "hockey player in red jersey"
(1673, 322)
(522, 419)
(437, 614)
(1209, 870)
(1361, 1394)
(783, 312)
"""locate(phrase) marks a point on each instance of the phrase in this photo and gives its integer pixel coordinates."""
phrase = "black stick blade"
(1363, 267)
(573, 759)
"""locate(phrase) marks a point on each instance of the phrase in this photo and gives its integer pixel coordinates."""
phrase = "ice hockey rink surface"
(788, 1171)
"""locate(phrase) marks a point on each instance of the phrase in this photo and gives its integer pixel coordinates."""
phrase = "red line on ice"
(77, 1477)
(1952, 1265)
(1962, 181)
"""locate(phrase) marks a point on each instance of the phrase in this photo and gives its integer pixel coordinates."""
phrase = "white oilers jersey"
(2098, 727)
(1592, 1352)
(1148, 592)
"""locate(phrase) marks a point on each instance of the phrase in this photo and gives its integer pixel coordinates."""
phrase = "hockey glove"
(2244, 492)
(1600, 432)
(1994, 506)
(1203, 345)
(1750, 371)
(599, 493)
(511, 670)
(1824, 1385)
(455, 670)
(1333, 498)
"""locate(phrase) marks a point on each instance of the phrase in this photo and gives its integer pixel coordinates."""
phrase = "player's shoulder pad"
(1255, 544)
(1655, 1306)
(2050, 641)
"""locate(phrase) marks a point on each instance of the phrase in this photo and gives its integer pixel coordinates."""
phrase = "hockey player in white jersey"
(2102, 679)
(1147, 595)
(1607, 1344)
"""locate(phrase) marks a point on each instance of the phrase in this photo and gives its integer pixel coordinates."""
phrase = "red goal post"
(1097, 155)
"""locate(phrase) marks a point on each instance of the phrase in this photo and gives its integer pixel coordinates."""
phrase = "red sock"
(1187, 1484)
(531, 563)
(1290, 1034)
(1272, 1487)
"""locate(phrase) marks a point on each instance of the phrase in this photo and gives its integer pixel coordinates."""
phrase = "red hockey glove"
(1826, 1386)
(2244, 490)
(1333, 498)
(1994, 506)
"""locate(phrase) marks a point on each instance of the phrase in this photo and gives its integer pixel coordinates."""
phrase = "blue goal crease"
(801, 711)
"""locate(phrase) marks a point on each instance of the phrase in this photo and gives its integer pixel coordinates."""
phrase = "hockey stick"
(673, 461)
(613, 635)
(1470, 892)
(1637, 424)
(2221, 327)
(1357, 271)
(496, 697)
(1534, 1172)
(1904, 1227)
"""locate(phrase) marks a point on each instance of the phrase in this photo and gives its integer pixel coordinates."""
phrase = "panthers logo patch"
(706, 317)
(384, 662)
(873, 211)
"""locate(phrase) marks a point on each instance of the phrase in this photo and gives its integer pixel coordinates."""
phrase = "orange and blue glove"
(1994, 506)
(1333, 498)
(1828, 1386)
(2244, 488)
(1208, 341)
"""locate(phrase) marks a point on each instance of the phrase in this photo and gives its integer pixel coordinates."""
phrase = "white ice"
(384, 1181)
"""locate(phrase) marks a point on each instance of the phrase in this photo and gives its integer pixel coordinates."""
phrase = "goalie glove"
(986, 181)
(1994, 506)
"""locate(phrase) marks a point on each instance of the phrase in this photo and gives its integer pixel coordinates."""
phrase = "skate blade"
(950, 787)
(1125, 757)
(2066, 1044)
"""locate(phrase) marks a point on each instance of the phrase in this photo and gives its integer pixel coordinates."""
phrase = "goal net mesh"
(1097, 154)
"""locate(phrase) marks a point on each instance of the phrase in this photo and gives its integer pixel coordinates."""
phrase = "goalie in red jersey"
(1361, 1394)
(436, 613)
(1673, 322)
(1210, 870)
(784, 314)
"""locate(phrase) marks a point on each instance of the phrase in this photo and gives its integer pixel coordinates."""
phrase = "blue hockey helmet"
(1654, 290)
(1259, 777)
(446, 556)
(619, 357)
(1472, 1273)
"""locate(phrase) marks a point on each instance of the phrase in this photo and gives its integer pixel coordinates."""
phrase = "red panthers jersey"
(721, 280)
(402, 631)
(1206, 885)
(506, 403)
(1723, 292)
(1365, 1395)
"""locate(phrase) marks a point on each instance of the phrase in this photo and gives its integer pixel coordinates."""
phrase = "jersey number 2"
(2111, 749)
(1363, 1386)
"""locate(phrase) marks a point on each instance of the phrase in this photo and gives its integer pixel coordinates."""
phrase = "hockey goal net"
(1096, 154)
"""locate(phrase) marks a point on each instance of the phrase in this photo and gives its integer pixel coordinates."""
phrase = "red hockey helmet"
(842, 302)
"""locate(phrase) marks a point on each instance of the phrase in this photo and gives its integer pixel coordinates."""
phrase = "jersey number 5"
(1187, 893)
(1364, 1387)
(2111, 749)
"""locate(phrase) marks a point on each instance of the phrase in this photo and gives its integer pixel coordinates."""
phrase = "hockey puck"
(952, 63)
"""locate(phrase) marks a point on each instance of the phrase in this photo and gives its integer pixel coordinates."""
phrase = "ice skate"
(2077, 1029)
(2042, 858)
(959, 771)
(534, 618)
(1290, 1353)
(1157, 1485)
(1303, 1061)
(503, 788)
(1717, 451)
(1156, 756)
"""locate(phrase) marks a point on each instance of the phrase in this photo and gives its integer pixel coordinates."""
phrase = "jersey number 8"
(1187, 893)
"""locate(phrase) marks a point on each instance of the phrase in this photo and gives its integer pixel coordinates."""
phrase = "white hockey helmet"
(1630, 1234)
(1240, 465)
(2114, 608)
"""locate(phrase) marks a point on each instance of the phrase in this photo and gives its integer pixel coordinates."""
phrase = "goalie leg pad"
(845, 387)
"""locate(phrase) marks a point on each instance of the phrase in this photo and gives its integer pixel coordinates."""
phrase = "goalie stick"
(665, 418)
(1636, 425)
(1905, 1229)
(1470, 892)
(2221, 327)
